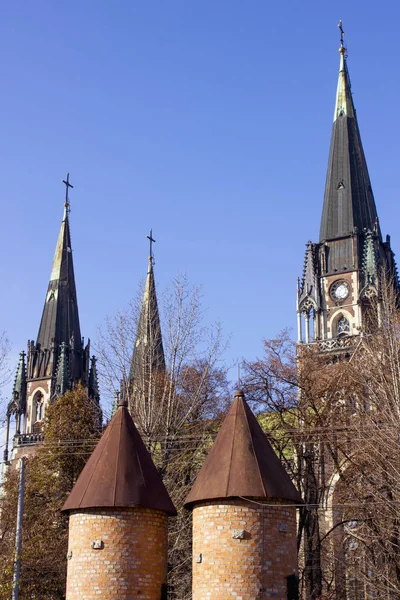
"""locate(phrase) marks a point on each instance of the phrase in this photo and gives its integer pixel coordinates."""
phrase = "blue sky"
(207, 121)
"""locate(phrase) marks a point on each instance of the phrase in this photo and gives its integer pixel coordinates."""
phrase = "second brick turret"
(244, 516)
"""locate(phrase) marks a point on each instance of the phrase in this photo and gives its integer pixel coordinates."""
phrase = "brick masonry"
(252, 568)
(131, 563)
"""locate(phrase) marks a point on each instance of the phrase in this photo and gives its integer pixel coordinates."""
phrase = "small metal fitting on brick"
(238, 534)
(199, 558)
(97, 544)
(69, 555)
(282, 527)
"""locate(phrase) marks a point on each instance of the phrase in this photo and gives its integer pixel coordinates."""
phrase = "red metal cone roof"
(242, 462)
(120, 472)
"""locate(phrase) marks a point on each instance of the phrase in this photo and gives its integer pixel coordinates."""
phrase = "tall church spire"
(349, 202)
(148, 354)
(60, 318)
(147, 367)
(343, 271)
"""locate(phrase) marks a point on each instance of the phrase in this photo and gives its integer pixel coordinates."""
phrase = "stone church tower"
(59, 358)
(342, 271)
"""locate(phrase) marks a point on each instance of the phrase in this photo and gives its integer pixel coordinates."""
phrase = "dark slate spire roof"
(120, 472)
(242, 462)
(60, 318)
(148, 354)
(348, 201)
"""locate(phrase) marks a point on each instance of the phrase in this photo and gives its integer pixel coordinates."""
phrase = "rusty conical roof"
(120, 472)
(242, 462)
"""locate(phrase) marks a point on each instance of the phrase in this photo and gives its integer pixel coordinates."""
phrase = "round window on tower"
(339, 290)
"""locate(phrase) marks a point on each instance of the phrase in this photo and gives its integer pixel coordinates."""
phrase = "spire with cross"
(67, 186)
(340, 25)
(152, 241)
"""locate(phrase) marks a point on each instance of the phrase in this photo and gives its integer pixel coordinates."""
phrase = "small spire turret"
(63, 380)
(94, 392)
(18, 400)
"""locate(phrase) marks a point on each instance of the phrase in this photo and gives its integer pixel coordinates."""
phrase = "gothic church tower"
(343, 270)
(59, 359)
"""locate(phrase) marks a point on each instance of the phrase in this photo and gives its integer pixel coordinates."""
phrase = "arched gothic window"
(343, 326)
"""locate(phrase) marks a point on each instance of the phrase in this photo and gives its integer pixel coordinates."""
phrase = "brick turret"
(118, 530)
(244, 516)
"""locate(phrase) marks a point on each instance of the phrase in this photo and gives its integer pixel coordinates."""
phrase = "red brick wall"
(132, 562)
(254, 568)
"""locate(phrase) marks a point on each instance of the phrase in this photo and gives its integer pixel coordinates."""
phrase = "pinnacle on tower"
(93, 383)
(18, 400)
(63, 380)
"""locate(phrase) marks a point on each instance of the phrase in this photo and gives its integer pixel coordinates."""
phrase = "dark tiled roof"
(120, 472)
(242, 462)
(348, 201)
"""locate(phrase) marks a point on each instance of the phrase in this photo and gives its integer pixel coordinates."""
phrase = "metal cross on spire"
(67, 186)
(152, 241)
(340, 25)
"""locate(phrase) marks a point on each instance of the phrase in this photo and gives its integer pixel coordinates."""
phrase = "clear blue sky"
(208, 121)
